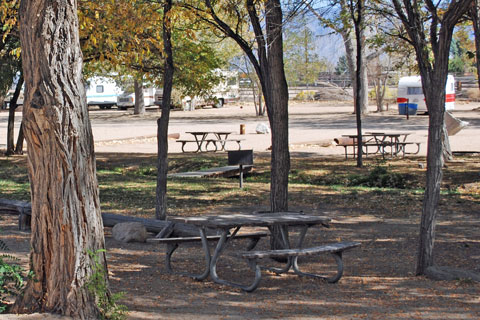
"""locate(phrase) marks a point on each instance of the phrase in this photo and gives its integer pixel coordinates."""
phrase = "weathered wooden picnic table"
(230, 224)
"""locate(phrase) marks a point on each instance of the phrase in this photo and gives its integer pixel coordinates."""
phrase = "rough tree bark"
(434, 75)
(66, 219)
(139, 107)
(162, 122)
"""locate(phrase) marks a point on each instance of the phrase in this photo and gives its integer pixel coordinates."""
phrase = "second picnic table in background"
(216, 139)
(395, 141)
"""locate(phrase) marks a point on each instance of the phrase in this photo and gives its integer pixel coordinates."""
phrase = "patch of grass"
(127, 184)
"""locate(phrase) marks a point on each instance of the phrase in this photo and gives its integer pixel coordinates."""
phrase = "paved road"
(313, 126)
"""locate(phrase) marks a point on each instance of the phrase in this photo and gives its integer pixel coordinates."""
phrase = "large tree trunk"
(139, 107)
(162, 122)
(66, 219)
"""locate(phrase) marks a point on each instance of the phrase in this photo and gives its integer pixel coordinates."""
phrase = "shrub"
(11, 277)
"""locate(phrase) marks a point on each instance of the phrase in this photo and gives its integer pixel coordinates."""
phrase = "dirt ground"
(378, 281)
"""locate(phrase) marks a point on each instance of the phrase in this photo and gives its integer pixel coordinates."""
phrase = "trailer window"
(99, 89)
(414, 90)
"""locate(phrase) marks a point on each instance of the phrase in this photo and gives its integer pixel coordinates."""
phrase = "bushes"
(378, 177)
(11, 278)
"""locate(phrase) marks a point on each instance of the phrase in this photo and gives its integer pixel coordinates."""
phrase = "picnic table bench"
(336, 249)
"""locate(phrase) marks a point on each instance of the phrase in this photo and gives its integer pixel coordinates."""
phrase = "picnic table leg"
(333, 279)
(213, 265)
(288, 265)
(336, 255)
(171, 247)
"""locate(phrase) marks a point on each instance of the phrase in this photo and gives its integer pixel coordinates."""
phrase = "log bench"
(173, 244)
(336, 249)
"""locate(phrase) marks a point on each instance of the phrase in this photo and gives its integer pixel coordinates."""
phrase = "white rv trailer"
(410, 91)
(102, 92)
(227, 91)
(127, 99)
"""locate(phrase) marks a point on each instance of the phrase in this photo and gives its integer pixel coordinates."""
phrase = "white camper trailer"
(102, 92)
(127, 99)
(410, 93)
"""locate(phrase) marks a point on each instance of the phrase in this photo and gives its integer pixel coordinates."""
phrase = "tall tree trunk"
(357, 14)
(277, 108)
(139, 107)
(162, 122)
(434, 77)
(363, 74)
(11, 117)
(66, 219)
(270, 72)
(434, 178)
(475, 15)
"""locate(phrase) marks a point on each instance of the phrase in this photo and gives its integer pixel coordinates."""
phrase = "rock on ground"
(130, 232)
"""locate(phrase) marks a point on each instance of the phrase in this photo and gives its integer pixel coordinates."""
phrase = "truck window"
(99, 89)
(414, 90)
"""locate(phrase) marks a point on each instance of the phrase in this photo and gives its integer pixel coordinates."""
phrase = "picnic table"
(385, 143)
(203, 139)
(229, 226)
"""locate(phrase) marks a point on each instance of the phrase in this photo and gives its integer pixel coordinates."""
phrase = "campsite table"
(395, 140)
(201, 138)
(230, 224)
(370, 137)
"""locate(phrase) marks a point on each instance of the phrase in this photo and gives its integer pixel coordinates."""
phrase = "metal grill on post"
(240, 158)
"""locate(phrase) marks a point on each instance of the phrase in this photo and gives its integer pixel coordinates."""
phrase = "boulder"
(262, 128)
(130, 232)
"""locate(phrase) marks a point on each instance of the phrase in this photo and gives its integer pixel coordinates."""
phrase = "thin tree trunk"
(66, 220)
(162, 122)
(358, 18)
(11, 117)
(270, 72)
(432, 189)
(475, 15)
(363, 100)
(139, 107)
(20, 139)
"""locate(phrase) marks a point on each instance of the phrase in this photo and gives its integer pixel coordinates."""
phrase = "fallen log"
(152, 225)
(24, 211)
